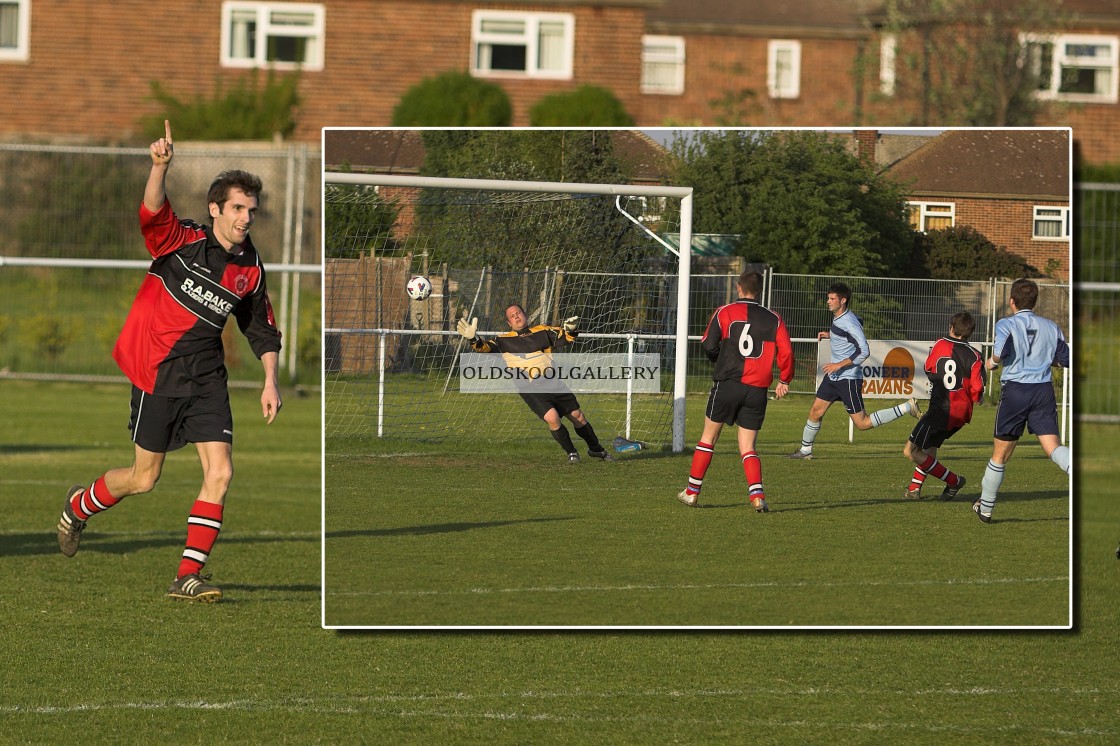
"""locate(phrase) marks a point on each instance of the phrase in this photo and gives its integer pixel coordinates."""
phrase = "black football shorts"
(737, 403)
(166, 423)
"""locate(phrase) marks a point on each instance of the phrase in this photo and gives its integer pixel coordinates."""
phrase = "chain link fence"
(72, 256)
(1096, 354)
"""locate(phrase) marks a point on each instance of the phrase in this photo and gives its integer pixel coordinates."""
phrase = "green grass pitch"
(93, 652)
(512, 534)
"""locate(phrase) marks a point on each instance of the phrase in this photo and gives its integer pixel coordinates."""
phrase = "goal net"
(605, 253)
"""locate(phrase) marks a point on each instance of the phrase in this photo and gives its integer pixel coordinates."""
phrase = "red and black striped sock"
(935, 468)
(701, 459)
(203, 525)
(93, 499)
(752, 469)
(918, 479)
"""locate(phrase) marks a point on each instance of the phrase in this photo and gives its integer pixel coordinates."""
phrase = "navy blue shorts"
(164, 423)
(736, 403)
(847, 390)
(1030, 405)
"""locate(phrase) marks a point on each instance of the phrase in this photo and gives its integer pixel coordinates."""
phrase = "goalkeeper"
(523, 339)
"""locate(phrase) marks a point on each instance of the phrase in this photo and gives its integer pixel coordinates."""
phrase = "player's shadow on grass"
(963, 500)
(46, 543)
(438, 528)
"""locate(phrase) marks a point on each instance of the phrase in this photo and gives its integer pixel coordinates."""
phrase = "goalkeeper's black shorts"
(563, 403)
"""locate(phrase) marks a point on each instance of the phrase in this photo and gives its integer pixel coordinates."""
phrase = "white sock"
(808, 435)
(989, 486)
(1061, 457)
(883, 416)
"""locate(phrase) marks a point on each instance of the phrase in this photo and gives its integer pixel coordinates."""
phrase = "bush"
(49, 335)
(248, 111)
(453, 99)
(964, 253)
(586, 106)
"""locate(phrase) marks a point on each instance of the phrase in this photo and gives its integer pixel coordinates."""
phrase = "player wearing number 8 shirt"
(744, 340)
(956, 374)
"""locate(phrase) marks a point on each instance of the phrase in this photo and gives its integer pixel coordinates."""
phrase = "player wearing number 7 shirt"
(956, 373)
(744, 340)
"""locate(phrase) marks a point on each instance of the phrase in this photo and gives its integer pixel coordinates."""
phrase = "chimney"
(865, 145)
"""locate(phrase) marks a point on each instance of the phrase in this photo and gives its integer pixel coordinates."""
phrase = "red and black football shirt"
(745, 339)
(171, 344)
(956, 371)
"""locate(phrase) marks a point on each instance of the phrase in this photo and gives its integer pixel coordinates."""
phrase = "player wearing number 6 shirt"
(956, 373)
(744, 340)
(1027, 346)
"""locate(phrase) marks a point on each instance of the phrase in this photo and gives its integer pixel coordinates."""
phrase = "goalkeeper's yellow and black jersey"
(531, 347)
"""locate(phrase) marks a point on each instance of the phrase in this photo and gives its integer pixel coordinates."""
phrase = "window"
(1074, 68)
(1051, 223)
(888, 53)
(930, 216)
(511, 44)
(783, 69)
(284, 36)
(662, 64)
(15, 30)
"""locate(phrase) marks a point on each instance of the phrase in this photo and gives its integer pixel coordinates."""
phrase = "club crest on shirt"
(241, 284)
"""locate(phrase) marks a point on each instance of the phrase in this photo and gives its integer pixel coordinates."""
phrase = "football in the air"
(418, 288)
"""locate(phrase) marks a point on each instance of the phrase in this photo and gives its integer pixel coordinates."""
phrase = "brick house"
(83, 71)
(826, 63)
(1011, 185)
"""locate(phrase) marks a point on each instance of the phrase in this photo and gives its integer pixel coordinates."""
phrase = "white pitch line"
(388, 705)
(703, 586)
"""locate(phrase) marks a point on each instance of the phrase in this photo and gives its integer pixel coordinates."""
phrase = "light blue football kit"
(847, 341)
(1027, 346)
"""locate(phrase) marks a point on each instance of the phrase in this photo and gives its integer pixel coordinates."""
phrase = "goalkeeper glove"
(570, 324)
(469, 331)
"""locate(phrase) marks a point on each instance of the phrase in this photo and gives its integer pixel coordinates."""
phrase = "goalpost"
(608, 253)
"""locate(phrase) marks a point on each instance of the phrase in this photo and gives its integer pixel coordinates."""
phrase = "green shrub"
(49, 334)
(247, 111)
(453, 99)
(586, 106)
(964, 253)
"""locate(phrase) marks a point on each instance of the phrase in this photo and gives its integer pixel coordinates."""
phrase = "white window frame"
(316, 33)
(1051, 214)
(888, 56)
(927, 210)
(21, 52)
(530, 38)
(773, 83)
(1061, 58)
(666, 51)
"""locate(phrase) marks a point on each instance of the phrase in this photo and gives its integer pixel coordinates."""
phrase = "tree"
(586, 106)
(559, 155)
(358, 220)
(967, 60)
(964, 253)
(453, 99)
(584, 232)
(797, 200)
